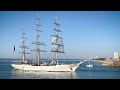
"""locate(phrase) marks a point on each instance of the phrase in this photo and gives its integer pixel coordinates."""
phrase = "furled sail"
(61, 49)
(57, 40)
(54, 48)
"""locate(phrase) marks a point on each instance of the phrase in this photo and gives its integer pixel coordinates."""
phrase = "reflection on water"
(19, 74)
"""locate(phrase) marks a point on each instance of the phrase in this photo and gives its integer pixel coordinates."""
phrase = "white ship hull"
(51, 68)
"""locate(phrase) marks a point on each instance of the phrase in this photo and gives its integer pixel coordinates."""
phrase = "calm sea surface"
(82, 72)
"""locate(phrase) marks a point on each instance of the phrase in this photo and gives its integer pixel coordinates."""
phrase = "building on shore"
(116, 56)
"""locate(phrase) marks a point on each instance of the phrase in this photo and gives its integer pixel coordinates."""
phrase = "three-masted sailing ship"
(57, 47)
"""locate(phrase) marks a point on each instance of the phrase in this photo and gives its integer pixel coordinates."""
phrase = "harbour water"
(82, 72)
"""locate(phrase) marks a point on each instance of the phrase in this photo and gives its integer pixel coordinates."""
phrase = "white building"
(116, 56)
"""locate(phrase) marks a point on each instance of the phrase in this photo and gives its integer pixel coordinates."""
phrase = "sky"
(85, 34)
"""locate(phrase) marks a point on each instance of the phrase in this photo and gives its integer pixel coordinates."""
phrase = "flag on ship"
(14, 48)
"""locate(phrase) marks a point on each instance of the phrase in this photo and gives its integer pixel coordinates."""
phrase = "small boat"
(89, 65)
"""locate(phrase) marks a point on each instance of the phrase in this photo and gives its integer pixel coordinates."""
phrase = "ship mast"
(57, 41)
(38, 43)
(23, 45)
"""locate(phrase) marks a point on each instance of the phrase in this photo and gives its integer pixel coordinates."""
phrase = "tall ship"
(57, 48)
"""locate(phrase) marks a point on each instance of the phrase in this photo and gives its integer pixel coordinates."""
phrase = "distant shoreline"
(106, 63)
